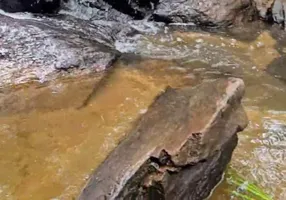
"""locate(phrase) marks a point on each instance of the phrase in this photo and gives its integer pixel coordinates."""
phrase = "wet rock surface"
(263, 7)
(42, 48)
(178, 149)
(213, 12)
(94, 10)
(219, 13)
(272, 10)
(277, 68)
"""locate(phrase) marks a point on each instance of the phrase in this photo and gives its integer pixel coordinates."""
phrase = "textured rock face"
(272, 10)
(94, 10)
(206, 12)
(264, 6)
(277, 68)
(178, 149)
(34, 6)
(278, 12)
(39, 48)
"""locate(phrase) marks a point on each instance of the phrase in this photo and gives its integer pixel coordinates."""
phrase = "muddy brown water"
(54, 135)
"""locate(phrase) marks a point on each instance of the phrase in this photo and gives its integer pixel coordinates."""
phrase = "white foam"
(19, 15)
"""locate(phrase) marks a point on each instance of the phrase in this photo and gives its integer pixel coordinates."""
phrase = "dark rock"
(34, 6)
(138, 9)
(178, 149)
(94, 10)
(43, 48)
(278, 68)
(206, 12)
(112, 9)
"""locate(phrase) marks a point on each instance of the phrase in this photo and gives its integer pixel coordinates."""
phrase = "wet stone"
(278, 12)
(277, 68)
(178, 149)
(94, 10)
(42, 49)
(214, 12)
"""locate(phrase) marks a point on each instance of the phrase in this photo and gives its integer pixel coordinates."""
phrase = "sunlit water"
(53, 136)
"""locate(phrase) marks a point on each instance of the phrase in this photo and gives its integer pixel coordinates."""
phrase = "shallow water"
(53, 136)
(50, 153)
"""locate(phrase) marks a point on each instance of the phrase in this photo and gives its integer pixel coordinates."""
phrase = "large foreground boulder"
(178, 149)
(206, 12)
(40, 49)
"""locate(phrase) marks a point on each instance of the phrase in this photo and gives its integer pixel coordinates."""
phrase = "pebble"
(199, 40)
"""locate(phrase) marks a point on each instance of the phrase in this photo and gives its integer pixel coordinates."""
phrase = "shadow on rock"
(278, 68)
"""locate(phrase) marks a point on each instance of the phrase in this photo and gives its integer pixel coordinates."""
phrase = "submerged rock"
(277, 68)
(34, 6)
(39, 48)
(207, 12)
(178, 149)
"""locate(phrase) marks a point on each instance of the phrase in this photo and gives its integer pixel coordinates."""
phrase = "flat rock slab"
(178, 149)
(38, 48)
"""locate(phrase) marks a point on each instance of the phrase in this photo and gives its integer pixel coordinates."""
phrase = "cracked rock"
(179, 149)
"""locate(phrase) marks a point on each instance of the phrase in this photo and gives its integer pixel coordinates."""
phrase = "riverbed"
(54, 134)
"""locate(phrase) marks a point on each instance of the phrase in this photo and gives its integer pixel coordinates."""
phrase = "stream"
(53, 135)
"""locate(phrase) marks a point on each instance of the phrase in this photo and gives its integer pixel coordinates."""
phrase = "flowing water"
(54, 135)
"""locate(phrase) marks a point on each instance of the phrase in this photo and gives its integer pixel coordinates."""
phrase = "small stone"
(197, 46)
(260, 44)
(143, 111)
(199, 40)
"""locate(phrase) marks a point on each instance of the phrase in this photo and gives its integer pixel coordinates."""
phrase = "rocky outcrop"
(94, 10)
(214, 12)
(208, 12)
(41, 48)
(264, 7)
(279, 12)
(277, 68)
(272, 10)
(34, 6)
(178, 149)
